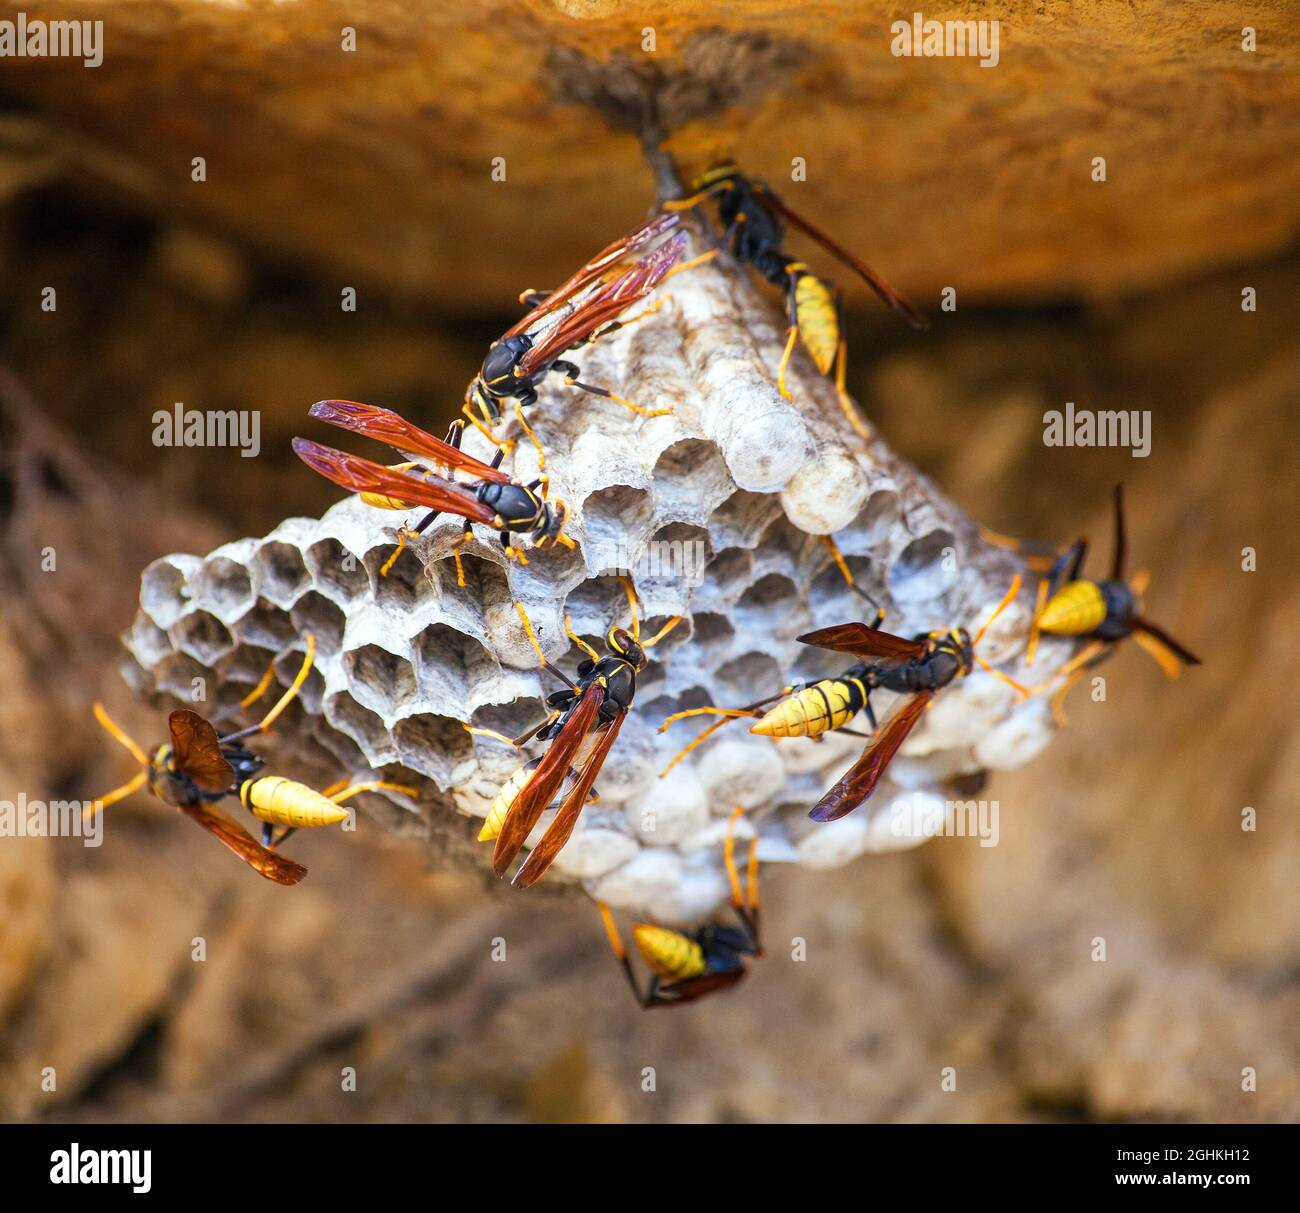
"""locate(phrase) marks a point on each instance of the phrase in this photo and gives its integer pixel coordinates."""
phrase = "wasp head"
(550, 523)
(170, 785)
(623, 644)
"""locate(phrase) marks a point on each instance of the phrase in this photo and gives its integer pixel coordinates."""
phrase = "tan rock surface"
(942, 172)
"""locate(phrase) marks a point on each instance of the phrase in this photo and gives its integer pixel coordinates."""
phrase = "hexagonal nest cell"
(717, 512)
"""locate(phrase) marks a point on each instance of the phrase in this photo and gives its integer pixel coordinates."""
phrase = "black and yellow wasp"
(685, 967)
(582, 726)
(1100, 612)
(196, 768)
(583, 309)
(491, 498)
(753, 220)
(918, 667)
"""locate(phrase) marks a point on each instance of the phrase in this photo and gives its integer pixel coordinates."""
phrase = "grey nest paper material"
(716, 512)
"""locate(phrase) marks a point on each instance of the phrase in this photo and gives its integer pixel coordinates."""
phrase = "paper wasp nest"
(715, 510)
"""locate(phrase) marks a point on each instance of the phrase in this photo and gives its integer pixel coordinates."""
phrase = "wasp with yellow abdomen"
(196, 768)
(753, 220)
(918, 667)
(585, 308)
(492, 498)
(583, 724)
(1099, 612)
(685, 967)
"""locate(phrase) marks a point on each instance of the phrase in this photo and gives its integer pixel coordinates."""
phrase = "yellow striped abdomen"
(1077, 608)
(510, 790)
(284, 802)
(819, 324)
(669, 955)
(813, 711)
(381, 501)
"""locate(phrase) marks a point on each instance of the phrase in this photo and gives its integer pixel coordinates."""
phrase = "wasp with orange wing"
(583, 725)
(492, 498)
(920, 668)
(196, 768)
(685, 967)
(753, 219)
(1100, 612)
(583, 309)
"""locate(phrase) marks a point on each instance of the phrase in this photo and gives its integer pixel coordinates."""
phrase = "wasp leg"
(726, 714)
(1072, 671)
(851, 412)
(846, 573)
(484, 427)
(516, 742)
(620, 954)
(406, 533)
(701, 259)
(287, 698)
(1040, 601)
(258, 691)
(571, 372)
(792, 313)
(537, 648)
(528, 430)
(747, 907)
(615, 325)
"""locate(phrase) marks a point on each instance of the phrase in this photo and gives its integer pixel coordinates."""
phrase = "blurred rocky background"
(372, 168)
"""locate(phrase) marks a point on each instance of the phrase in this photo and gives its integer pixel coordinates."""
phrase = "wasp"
(686, 967)
(493, 498)
(195, 768)
(753, 220)
(918, 667)
(582, 726)
(582, 310)
(1100, 612)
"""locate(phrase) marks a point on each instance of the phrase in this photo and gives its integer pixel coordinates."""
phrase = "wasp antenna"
(119, 735)
(630, 591)
(102, 802)
(578, 640)
(1007, 600)
(662, 632)
(1024, 691)
(309, 657)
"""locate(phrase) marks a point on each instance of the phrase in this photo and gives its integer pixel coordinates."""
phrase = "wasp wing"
(197, 751)
(864, 641)
(1145, 626)
(386, 426)
(590, 273)
(888, 295)
(561, 829)
(541, 788)
(861, 778)
(695, 988)
(605, 304)
(365, 476)
(235, 838)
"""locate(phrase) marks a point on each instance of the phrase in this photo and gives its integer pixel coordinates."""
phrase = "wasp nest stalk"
(717, 512)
